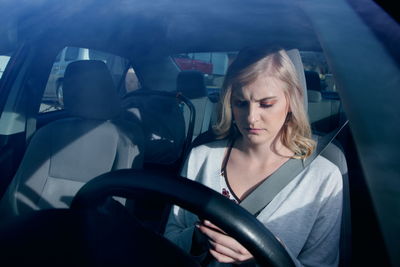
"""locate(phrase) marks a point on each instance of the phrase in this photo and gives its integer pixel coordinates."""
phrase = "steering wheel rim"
(192, 196)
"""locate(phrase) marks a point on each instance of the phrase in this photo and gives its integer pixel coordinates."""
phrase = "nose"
(253, 114)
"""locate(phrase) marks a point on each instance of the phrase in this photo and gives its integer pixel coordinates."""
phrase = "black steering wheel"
(196, 198)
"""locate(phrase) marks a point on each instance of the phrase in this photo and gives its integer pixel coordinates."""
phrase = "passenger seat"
(65, 154)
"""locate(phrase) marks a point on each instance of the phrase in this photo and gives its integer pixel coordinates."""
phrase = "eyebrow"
(258, 100)
(266, 98)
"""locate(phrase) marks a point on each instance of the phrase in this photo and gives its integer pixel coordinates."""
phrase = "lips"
(254, 130)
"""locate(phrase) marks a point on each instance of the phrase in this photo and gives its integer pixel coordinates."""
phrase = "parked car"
(186, 63)
(358, 39)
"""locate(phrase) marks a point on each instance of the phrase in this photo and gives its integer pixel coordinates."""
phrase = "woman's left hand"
(224, 248)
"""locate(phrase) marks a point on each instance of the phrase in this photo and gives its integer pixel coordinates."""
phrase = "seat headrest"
(89, 90)
(295, 57)
(191, 84)
(312, 80)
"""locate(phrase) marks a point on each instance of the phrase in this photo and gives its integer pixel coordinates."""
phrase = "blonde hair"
(250, 63)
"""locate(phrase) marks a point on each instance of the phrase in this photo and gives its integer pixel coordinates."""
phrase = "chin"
(256, 139)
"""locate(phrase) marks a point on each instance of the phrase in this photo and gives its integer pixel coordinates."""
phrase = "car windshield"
(100, 86)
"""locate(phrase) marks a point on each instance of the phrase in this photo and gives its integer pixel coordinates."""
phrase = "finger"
(223, 240)
(211, 225)
(237, 257)
(211, 232)
(220, 257)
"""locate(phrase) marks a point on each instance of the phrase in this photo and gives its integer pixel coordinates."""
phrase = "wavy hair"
(250, 63)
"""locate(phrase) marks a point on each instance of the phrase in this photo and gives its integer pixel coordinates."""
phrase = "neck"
(265, 151)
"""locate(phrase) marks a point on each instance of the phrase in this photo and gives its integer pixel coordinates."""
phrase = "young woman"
(262, 124)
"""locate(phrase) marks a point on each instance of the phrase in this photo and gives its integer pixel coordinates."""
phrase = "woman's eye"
(265, 105)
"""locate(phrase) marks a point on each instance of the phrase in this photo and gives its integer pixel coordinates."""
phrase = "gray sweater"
(305, 215)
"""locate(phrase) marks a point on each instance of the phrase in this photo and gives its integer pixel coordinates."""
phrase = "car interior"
(97, 120)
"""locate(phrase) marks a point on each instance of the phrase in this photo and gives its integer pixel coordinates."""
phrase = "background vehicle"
(359, 41)
(186, 63)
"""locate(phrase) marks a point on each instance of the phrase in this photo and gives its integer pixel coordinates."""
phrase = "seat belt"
(259, 198)
(31, 113)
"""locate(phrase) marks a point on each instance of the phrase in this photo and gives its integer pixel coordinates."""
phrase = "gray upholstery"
(295, 57)
(67, 153)
(191, 84)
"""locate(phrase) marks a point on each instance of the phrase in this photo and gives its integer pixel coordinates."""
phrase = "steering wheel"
(192, 196)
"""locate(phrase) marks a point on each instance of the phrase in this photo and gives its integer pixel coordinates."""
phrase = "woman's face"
(260, 110)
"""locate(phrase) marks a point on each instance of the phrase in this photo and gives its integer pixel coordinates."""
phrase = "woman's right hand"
(223, 248)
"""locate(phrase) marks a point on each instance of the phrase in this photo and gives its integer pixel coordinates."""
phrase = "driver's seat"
(63, 155)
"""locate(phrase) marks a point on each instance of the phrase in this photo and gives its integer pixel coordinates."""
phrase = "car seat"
(192, 85)
(65, 154)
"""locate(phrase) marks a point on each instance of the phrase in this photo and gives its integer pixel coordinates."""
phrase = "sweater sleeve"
(322, 246)
(178, 229)
(180, 225)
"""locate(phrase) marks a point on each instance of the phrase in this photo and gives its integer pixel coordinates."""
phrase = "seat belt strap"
(270, 187)
(267, 190)
(31, 113)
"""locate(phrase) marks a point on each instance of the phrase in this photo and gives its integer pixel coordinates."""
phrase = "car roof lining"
(174, 27)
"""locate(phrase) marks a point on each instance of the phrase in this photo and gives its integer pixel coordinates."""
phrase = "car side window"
(3, 63)
(52, 99)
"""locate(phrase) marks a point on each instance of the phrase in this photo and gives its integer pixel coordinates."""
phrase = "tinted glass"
(3, 63)
(72, 53)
